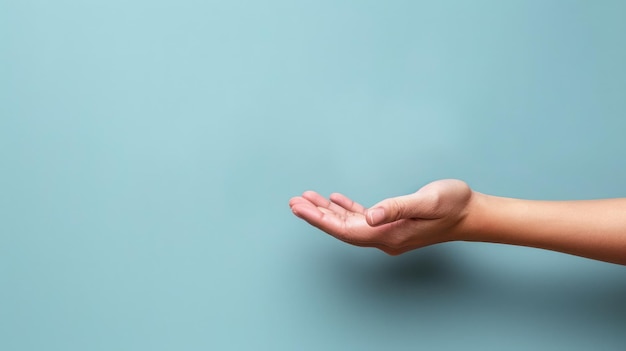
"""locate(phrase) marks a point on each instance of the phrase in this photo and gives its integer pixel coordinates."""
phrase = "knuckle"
(397, 210)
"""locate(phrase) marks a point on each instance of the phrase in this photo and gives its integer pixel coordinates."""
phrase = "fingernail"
(376, 215)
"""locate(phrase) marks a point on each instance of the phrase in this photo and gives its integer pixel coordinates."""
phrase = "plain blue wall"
(148, 150)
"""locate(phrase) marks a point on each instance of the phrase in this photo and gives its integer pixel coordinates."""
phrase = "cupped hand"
(436, 213)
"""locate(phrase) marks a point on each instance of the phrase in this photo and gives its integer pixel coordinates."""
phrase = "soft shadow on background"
(435, 273)
(440, 296)
(148, 150)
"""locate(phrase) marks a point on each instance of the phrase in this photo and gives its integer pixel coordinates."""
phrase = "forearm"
(595, 228)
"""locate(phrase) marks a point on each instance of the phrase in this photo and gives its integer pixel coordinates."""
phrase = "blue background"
(148, 150)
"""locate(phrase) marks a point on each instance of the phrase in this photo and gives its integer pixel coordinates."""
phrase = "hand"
(433, 214)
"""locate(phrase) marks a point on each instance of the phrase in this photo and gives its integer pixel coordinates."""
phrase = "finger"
(320, 218)
(298, 200)
(401, 207)
(320, 201)
(352, 230)
(347, 203)
(328, 222)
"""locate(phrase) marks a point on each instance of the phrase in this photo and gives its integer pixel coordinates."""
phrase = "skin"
(449, 210)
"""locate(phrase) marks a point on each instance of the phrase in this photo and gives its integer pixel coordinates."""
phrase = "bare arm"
(595, 228)
(448, 210)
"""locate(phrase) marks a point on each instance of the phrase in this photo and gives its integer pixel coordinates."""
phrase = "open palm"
(426, 217)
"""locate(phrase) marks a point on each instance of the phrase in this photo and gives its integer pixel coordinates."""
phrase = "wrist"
(474, 219)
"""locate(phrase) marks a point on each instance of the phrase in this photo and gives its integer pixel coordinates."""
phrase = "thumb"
(393, 209)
